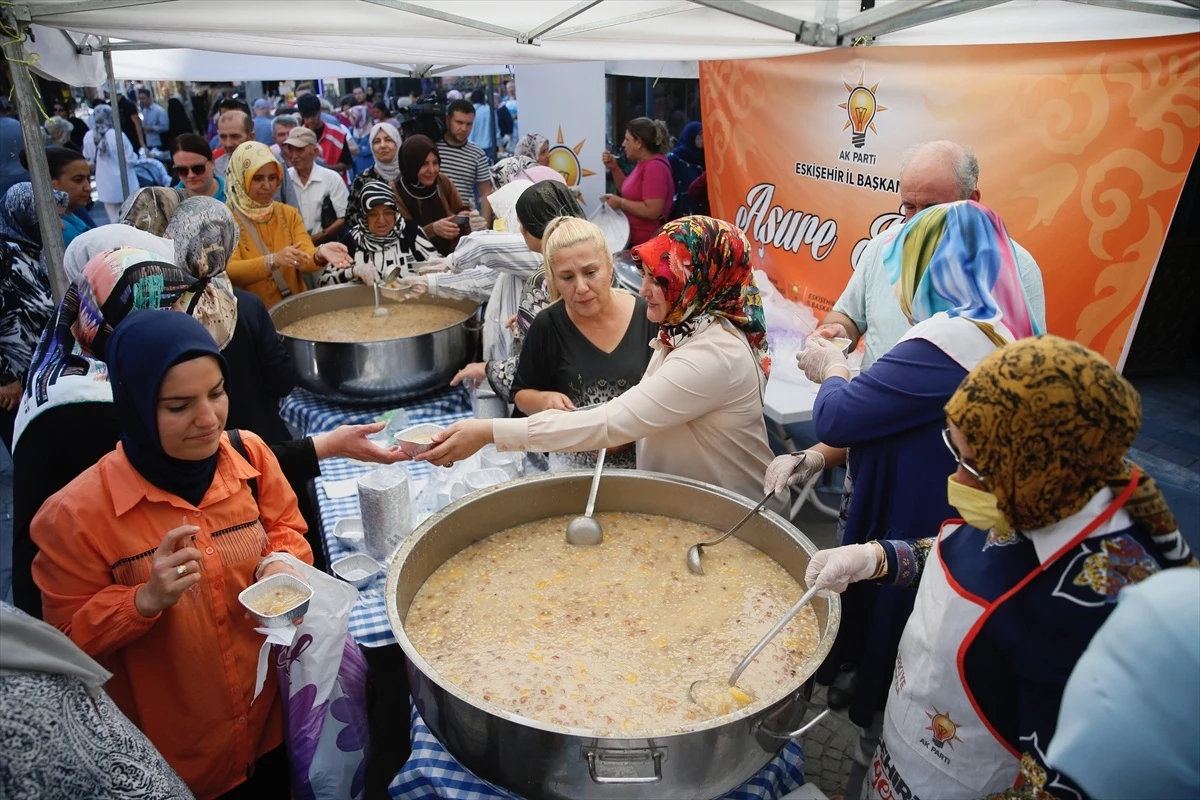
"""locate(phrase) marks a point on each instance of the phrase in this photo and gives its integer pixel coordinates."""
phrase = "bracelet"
(270, 262)
(318, 258)
(882, 569)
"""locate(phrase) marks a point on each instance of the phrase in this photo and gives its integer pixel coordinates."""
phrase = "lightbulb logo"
(861, 108)
(944, 729)
(565, 161)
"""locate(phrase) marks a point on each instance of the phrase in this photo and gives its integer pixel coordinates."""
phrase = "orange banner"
(1083, 150)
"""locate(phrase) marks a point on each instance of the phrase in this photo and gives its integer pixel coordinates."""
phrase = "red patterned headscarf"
(703, 265)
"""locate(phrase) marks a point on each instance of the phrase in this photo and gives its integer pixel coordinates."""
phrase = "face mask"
(980, 509)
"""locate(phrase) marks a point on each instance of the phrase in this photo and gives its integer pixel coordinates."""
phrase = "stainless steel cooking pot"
(368, 372)
(539, 759)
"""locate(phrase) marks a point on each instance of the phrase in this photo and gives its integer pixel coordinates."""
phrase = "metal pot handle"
(615, 766)
(803, 729)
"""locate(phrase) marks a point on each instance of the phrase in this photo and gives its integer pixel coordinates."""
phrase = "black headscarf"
(544, 201)
(423, 202)
(143, 347)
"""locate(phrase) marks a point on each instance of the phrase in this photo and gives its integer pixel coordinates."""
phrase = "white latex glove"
(432, 265)
(818, 357)
(792, 470)
(410, 288)
(477, 222)
(366, 273)
(837, 568)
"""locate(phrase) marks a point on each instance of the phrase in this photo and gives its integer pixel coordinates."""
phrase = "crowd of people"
(135, 541)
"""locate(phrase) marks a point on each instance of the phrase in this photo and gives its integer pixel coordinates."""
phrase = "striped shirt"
(465, 166)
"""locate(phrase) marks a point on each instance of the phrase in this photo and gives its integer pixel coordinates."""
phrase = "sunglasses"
(974, 473)
(195, 169)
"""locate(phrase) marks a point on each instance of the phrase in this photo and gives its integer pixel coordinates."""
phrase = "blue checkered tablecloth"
(312, 415)
(431, 772)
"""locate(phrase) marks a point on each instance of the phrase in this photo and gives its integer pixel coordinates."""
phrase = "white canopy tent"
(425, 37)
(422, 37)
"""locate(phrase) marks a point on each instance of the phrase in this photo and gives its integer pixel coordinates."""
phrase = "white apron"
(935, 744)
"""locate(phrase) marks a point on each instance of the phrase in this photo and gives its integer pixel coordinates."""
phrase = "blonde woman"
(697, 411)
(592, 344)
(273, 245)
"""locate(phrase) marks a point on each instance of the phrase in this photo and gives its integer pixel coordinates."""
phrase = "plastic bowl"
(413, 440)
(349, 530)
(259, 592)
(358, 569)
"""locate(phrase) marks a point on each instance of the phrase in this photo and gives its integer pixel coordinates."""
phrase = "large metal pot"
(368, 372)
(538, 759)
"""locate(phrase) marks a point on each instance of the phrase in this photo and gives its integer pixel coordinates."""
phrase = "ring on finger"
(181, 570)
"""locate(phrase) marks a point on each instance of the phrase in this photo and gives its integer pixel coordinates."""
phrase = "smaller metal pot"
(375, 372)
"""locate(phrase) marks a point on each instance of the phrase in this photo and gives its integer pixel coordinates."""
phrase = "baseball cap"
(300, 136)
(309, 105)
(262, 104)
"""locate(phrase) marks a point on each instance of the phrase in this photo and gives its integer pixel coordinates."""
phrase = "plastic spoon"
(586, 530)
(695, 551)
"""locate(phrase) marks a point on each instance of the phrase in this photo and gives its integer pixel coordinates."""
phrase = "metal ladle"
(694, 552)
(754, 651)
(380, 311)
(586, 530)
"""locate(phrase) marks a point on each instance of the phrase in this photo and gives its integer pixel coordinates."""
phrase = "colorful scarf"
(206, 237)
(68, 364)
(506, 169)
(1049, 422)
(244, 164)
(388, 170)
(958, 258)
(703, 265)
(531, 145)
(150, 209)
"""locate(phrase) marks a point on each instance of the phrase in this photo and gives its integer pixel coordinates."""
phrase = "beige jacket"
(697, 413)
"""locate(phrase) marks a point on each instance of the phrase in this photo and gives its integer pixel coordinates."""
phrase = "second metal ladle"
(694, 552)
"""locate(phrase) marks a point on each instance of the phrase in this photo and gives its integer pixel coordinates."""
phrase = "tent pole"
(48, 216)
(116, 109)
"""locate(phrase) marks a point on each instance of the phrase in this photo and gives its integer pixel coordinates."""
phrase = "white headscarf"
(390, 170)
(504, 203)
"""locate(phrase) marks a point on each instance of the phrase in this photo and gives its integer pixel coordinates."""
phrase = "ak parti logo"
(861, 107)
(944, 729)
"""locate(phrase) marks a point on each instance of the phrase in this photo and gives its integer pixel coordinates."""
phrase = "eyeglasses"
(196, 169)
(974, 473)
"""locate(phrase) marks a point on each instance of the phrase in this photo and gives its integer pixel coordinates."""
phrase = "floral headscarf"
(150, 209)
(958, 258)
(1049, 422)
(703, 265)
(506, 169)
(205, 238)
(244, 164)
(531, 145)
(360, 121)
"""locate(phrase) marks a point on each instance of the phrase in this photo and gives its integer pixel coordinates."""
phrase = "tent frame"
(828, 31)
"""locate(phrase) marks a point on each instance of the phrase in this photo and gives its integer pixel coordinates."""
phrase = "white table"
(789, 401)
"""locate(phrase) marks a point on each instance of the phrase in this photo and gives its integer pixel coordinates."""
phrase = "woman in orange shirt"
(142, 558)
(273, 247)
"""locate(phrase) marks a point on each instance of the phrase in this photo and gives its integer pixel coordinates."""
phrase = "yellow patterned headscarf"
(1049, 422)
(245, 162)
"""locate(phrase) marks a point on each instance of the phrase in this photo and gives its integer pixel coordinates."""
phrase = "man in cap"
(320, 192)
(262, 121)
(331, 139)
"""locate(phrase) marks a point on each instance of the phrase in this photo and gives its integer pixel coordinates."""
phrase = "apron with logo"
(936, 744)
